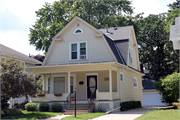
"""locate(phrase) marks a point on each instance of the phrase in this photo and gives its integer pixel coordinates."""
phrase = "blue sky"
(17, 16)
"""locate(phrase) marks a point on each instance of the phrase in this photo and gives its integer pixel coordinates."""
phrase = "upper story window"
(78, 31)
(135, 82)
(121, 77)
(130, 55)
(78, 50)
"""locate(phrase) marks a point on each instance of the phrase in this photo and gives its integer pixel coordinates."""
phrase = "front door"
(91, 86)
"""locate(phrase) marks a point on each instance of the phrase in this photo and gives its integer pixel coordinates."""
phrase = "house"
(151, 96)
(102, 64)
(25, 61)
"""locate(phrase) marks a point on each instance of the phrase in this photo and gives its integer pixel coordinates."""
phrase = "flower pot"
(58, 94)
(41, 95)
(72, 99)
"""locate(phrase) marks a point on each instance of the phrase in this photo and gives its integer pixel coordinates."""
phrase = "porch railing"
(67, 101)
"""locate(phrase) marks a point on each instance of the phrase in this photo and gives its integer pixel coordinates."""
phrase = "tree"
(14, 82)
(169, 88)
(52, 18)
(156, 52)
(173, 5)
(170, 19)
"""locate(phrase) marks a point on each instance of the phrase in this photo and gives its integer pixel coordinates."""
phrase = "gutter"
(112, 110)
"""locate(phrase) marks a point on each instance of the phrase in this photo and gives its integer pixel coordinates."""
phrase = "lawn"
(161, 115)
(83, 116)
(33, 115)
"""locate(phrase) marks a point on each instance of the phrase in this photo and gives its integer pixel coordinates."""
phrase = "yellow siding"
(128, 92)
(96, 46)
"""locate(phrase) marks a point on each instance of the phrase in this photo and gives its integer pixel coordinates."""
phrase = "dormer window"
(78, 31)
(78, 50)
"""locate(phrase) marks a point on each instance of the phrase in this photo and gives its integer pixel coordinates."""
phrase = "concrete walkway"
(58, 117)
(126, 115)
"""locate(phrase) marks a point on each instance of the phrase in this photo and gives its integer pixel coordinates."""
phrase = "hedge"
(56, 107)
(130, 105)
(43, 107)
(30, 106)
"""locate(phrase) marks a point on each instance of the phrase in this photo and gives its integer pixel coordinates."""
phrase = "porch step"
(81, 108)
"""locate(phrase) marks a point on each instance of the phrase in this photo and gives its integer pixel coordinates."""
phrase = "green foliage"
(169, 88)
(30, 106)
(56, 107)
(14, 82)
(29, 115)
(160, 115)
(170, 19)
(44, 107)
(10, 112)
(130, 105)
(52, 18)
(156, 52)
(174, 5)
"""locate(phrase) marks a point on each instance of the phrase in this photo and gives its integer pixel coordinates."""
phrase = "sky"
(17, 16)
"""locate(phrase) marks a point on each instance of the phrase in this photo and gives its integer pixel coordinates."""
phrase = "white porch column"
(69, 82)
(110, 84)
(118, 83)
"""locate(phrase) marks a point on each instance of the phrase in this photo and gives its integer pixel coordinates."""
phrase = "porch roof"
(78, 67)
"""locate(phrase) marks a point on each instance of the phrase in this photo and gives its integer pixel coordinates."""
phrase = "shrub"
(176, 105)
(10, 112)
(44, 107)
(169, 88)
(56, 107)
(130, 105)
(30, 107)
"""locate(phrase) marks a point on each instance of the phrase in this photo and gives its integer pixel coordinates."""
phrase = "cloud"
(18, 41)
(150, 6)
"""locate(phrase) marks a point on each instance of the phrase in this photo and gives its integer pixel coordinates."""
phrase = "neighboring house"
(25, 61)
(102, 64)
(151, 96)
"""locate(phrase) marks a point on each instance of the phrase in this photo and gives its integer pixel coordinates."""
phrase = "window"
(73, 51)
(78, 50)
(59, 84)
(135, 82)
(48, 84)
(121, 77)
(72, 85)
(130, 55)
(78, 31)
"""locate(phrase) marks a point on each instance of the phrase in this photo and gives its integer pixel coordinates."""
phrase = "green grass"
(161, 115)
(33, 115)
(83, 116)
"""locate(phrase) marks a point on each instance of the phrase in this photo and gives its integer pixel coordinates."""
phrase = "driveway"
(126, 115)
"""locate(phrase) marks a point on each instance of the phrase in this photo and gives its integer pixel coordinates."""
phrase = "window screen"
(59, 84)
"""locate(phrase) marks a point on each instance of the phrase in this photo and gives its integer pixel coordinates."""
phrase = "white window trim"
(78, 29)
(122, 75)
(60, 75)
(130, 49)
(135, 78)
(78, 50)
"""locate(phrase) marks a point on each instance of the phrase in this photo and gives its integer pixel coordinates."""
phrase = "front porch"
(103, 84)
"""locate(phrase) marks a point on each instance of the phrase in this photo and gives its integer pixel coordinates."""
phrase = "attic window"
(78, 31)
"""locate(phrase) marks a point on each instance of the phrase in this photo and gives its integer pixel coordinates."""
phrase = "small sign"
(106, 79)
